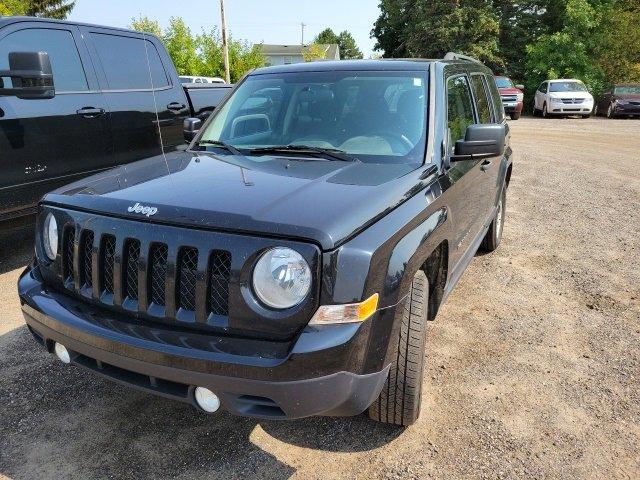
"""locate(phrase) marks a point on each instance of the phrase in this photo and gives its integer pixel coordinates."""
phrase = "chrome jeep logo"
(148, 211)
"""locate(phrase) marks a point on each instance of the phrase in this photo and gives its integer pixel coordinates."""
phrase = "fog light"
(207, 400)
(62, 353)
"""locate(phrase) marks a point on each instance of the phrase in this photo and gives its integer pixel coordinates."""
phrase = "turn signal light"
(348, 313)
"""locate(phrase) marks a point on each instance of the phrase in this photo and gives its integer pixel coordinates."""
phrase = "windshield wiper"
(329, 153)
(219, 144)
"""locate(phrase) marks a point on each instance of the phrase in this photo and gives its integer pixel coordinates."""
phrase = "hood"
(509, 91)
(323, 201)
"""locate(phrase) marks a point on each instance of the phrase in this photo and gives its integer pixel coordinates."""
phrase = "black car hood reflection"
(322, 201)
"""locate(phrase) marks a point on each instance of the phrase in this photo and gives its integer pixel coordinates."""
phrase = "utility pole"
(302, 24)
(225, 47)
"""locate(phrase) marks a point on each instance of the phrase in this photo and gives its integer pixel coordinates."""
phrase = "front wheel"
(494, 234)
(399, 400)
(545, 112)
(610, 113)
(515, 115)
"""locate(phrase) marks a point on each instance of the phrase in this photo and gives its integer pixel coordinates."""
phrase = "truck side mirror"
(190, 127)
(31, 76)
(520, 86)
(480, 141)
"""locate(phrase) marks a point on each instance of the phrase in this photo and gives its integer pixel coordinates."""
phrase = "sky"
(267, 21)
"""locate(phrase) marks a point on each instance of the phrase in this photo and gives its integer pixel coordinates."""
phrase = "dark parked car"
(89, 104)
(620, 100)
(287, 264)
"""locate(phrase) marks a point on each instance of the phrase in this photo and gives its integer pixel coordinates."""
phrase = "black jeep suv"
(287, 263)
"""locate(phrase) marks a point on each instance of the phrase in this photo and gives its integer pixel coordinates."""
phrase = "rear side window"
(482, 102)
(124, 60)
(496, 99)
(459, 108)
(68, 74)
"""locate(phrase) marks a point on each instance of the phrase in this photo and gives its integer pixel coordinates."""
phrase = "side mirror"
(190, 127)
(31, 76)
(481, 141)
(520, 86)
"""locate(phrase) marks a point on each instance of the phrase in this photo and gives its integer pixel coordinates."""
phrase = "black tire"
(585, 116)
(545, 111)
(536, 112)
(515, 116)
(399, 401)
(493, 237)
(610, 113)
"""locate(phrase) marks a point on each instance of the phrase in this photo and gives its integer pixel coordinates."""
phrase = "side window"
(459, 108)
(482, 102)
(496, 99)
(68, 73)
(542, 88)
(124, 60)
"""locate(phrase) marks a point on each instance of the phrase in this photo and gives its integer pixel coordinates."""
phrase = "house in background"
(287, 54)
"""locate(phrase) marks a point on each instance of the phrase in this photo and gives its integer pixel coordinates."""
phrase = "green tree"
(326, 37)
(59, 9)
(346, 43)
(413, 28)
(243, 56)
(182, 46)
(568, 52)
(348, 47)
(145, 24)
(12, 7)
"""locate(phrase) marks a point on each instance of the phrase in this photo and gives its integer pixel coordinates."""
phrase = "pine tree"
(58, 9)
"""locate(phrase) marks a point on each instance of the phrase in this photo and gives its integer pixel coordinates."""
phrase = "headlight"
(520, 96)
(50, 236)
(556, 100)
(281, 278)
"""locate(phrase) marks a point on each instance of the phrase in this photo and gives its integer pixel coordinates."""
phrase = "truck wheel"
(514, 116)
(536, 112)
(494, 234)
(399, 401)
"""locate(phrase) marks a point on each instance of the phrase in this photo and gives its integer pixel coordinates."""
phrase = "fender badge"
(137, 208)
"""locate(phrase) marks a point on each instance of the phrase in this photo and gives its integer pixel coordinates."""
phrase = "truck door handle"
(90, 112)
(176, 107)
(484, 166)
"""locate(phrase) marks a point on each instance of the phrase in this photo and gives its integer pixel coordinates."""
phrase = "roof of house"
(332, 50)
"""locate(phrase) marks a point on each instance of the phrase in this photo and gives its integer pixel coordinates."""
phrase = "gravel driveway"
(533, 365)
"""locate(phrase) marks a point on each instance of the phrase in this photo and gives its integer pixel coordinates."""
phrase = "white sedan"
(563, 97)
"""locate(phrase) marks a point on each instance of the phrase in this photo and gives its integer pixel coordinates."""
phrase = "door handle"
(90, 112)
(176, 107)
(484, 166)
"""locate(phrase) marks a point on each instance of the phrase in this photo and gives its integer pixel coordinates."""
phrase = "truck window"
(67, 68)
(496, 99)
(124, 60)
(459, 108)
(482, 101)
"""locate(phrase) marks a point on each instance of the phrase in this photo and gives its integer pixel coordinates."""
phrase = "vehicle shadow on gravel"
(16, 248)
(62, 419)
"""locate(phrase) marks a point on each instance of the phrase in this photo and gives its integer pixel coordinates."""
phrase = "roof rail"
(459, 56)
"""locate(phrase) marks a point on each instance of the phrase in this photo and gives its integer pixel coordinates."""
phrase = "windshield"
(567, 87)
(504, 82)
(628, 90)
(376, 117)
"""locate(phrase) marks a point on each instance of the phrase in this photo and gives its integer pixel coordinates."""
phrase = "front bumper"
(513, 107)
(322, 372)
(626, 109)
(570, 109)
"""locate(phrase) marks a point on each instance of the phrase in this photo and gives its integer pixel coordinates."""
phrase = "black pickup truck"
(88, 105)
(288, 262)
